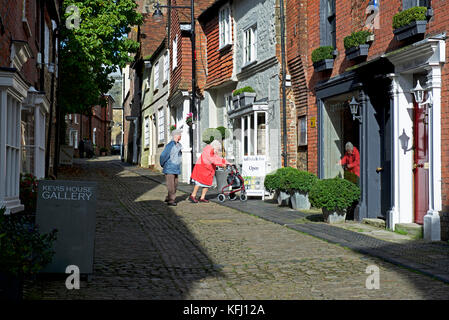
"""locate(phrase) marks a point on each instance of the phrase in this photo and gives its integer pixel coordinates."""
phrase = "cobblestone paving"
(146, 250)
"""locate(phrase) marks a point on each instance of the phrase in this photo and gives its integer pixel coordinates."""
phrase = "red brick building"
(28, 71)
(95, 127)
(403, 144)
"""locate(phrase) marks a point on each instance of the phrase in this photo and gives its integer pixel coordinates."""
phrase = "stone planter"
(334, 216)
(235, 102)
(410, 30)
(356, 52)
(11, 287)
(300, 201)
(283, 198)
(323, 65)
(246, 98)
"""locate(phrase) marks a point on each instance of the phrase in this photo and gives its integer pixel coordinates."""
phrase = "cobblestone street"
(147, 250)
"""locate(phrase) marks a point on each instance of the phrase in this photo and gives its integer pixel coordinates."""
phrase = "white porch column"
(185, 140)
(432, 227)
(393, 213)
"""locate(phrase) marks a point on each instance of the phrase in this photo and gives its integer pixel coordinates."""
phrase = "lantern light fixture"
(354, 106)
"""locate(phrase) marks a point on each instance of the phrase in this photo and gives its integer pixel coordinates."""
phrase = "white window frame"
(175, 53)
(161, 125)
(250, 46)
(147, 132)
(166, 67)
(225, 27)
(302, 120)
(156, 76)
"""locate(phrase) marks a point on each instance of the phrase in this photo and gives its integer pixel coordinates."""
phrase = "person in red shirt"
(204, 170)
(351, 159)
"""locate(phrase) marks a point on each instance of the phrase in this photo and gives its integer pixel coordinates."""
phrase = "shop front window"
(254, 134)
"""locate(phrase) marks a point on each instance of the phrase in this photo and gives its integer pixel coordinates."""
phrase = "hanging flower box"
(323, 65)
(410, 22)
(357, 52)
(356, 44)
(243, 97)
(411, 30)
(323, 58)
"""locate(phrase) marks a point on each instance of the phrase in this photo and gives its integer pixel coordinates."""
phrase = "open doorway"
(338, 129)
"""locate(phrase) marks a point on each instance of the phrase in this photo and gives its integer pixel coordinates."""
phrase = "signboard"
(253, 171)
(69, 207)
(313, 122)
(66, 155)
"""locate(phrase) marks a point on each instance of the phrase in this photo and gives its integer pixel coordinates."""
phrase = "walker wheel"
(243, 197)
(221, 197)
(232, 196)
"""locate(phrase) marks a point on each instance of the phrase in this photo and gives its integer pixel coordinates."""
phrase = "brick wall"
(296, 47)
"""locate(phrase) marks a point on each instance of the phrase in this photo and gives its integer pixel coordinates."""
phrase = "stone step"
(413, 229)
(378, 223)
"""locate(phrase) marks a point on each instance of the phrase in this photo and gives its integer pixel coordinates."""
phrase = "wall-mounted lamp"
(354, 106)
(418, 93)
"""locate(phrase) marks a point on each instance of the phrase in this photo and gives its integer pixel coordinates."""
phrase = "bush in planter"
(271, 182)
(334, 194)
(241, 90)
(322, 53)
(408, 16)
(23, 250)
(301, 183)
(28, 192)
(356, 39)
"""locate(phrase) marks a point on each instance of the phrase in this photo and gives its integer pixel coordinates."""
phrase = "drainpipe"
(284, 98)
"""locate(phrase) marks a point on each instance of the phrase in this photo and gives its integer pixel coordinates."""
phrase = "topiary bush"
(241, 90)
(303, 181)
(271, 181)
(408, 16)
(334, 194)
(356, 39)
(322, 53)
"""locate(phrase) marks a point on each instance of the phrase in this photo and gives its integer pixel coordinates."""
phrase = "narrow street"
(147, 250)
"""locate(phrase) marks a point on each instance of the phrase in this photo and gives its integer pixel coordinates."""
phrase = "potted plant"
(356, 44)
(410, 22)
(334, 196)
(286, 181)
(246, 96)
(189, 119)
(301, 184)
(23, 253)
(323, 58)
(172, 127)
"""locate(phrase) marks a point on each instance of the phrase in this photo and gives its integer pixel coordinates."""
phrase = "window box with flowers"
(357, 45)
(323, 58)
(410, 23)
(243, 96)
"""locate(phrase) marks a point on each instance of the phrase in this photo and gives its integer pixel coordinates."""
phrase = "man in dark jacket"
(170, 161)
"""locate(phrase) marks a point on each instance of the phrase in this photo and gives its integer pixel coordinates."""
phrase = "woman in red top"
(351, 159)
(204, 170)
